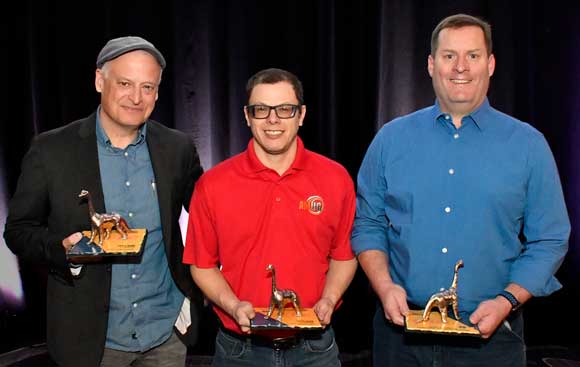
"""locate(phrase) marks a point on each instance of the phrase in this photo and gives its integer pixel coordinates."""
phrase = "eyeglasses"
(283, 111)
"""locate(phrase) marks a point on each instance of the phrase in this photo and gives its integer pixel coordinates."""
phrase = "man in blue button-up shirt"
(123, 313)
(459, 180)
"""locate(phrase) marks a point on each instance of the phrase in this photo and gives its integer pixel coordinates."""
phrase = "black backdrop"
(361, 62)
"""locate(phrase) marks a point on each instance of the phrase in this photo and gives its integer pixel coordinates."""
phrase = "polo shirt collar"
(478, 116)
(256, 166)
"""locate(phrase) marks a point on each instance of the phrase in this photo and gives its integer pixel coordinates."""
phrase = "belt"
(264, 341)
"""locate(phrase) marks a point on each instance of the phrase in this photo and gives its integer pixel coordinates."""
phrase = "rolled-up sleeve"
(370, 223)
(546, 224)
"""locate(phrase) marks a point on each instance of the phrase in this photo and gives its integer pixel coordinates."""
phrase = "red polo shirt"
(244, 216)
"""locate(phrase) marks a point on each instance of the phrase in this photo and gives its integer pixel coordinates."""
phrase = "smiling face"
(128, 86)
(274, 137)
(461, 69)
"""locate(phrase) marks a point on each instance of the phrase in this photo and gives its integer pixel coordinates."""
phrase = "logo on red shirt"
(314, 205)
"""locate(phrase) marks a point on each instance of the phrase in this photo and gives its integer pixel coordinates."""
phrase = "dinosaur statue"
(279, 295)
(103, 224)
(445, 298)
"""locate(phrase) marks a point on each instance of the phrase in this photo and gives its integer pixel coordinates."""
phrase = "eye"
(149, 88)
(124, 84)
(473, 56)
(448, 56)
(261, 108)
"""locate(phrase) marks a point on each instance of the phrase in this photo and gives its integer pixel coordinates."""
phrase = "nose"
(461, 65)
(272, 117)
(135, 95)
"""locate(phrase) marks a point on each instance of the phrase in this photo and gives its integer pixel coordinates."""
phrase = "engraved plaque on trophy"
(279, 317)
(109, 236)
(434, 318)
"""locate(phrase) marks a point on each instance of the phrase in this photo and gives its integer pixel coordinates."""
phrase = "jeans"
(171, 353)
(309, 352)
(394, 347)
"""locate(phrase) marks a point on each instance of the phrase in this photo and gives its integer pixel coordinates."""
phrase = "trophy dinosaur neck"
(455, 276)
(273, 279)
(91, 207)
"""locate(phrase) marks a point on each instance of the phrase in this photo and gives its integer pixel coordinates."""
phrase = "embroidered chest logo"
(314, 205)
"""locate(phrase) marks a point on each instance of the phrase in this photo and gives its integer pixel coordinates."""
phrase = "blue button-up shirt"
(145, 301)
(489, 193)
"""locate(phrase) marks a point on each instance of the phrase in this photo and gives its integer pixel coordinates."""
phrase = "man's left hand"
(489, 315)
(324, 309)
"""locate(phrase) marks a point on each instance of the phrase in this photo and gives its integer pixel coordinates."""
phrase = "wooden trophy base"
(115, 245)
(414, 323)
(289, 321)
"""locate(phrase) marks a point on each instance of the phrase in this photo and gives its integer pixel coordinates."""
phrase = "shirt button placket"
(451, 172)
(276, 194)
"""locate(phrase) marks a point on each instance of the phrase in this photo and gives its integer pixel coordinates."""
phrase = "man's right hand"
(71, 240)
(394, 300)
(243, 312)
(392, 296)
(218, 291)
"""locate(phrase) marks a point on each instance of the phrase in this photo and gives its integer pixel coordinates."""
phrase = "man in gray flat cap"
(103, 313)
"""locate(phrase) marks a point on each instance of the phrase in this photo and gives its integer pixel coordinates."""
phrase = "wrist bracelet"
(511, 299)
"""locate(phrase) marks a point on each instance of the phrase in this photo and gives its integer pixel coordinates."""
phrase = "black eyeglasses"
(283, 111)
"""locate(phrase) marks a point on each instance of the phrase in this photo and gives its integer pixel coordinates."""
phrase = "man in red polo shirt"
(276, 203)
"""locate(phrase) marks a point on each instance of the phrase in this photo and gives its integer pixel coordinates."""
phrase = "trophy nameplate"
(279, 317)
(431, 321)
(110, 235)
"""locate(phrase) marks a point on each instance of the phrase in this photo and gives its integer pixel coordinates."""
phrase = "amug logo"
(314, 205)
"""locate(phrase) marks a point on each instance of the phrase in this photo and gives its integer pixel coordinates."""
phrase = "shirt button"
(127, 183)
(133, 276)
(131, 214)
(126, 154)
(278, 199)
(444, 250)
(134, 335)
(447, 209)
(446, 117)
(456, 136)
(135, 305)
(451, 171)
(441, 289)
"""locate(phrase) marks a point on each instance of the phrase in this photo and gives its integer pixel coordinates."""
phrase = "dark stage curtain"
(362, 63)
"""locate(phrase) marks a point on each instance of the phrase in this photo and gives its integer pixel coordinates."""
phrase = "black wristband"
(511, 298)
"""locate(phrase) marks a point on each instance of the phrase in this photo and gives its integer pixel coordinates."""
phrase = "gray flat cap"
(119, 46)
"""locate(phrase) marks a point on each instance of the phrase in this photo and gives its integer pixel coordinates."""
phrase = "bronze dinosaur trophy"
(280, 295)
(442, 300)
(301, 318)
(421, 320)
(99, 241)
(103, 224)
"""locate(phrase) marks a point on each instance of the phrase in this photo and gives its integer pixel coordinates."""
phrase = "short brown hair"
(273, 76)
(459, 21)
